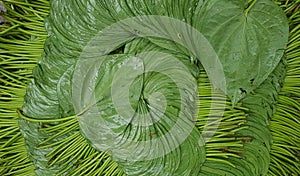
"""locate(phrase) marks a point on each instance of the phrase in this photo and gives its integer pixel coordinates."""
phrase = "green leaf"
(144, 119)
(128, 102)
(249, 38)
(65, 85)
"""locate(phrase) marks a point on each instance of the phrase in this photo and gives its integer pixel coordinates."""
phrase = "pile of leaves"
(256, 136)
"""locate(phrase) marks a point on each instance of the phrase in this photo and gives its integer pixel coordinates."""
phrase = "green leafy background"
(241, 146)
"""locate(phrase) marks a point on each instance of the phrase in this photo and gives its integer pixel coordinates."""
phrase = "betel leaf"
(51, 95)
(249, 37)
(148, 124)
(140, 118)
(122, 108)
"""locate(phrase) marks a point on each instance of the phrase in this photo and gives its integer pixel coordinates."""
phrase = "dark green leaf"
(249, 38)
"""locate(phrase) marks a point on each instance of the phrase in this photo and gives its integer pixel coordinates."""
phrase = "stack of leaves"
(248, 37)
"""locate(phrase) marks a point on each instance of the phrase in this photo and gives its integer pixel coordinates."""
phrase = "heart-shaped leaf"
(249, 38)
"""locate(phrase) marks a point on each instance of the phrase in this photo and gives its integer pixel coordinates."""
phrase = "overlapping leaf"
(49, 95)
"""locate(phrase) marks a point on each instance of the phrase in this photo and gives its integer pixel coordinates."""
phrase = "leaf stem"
(250, 7)
(44, 120)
